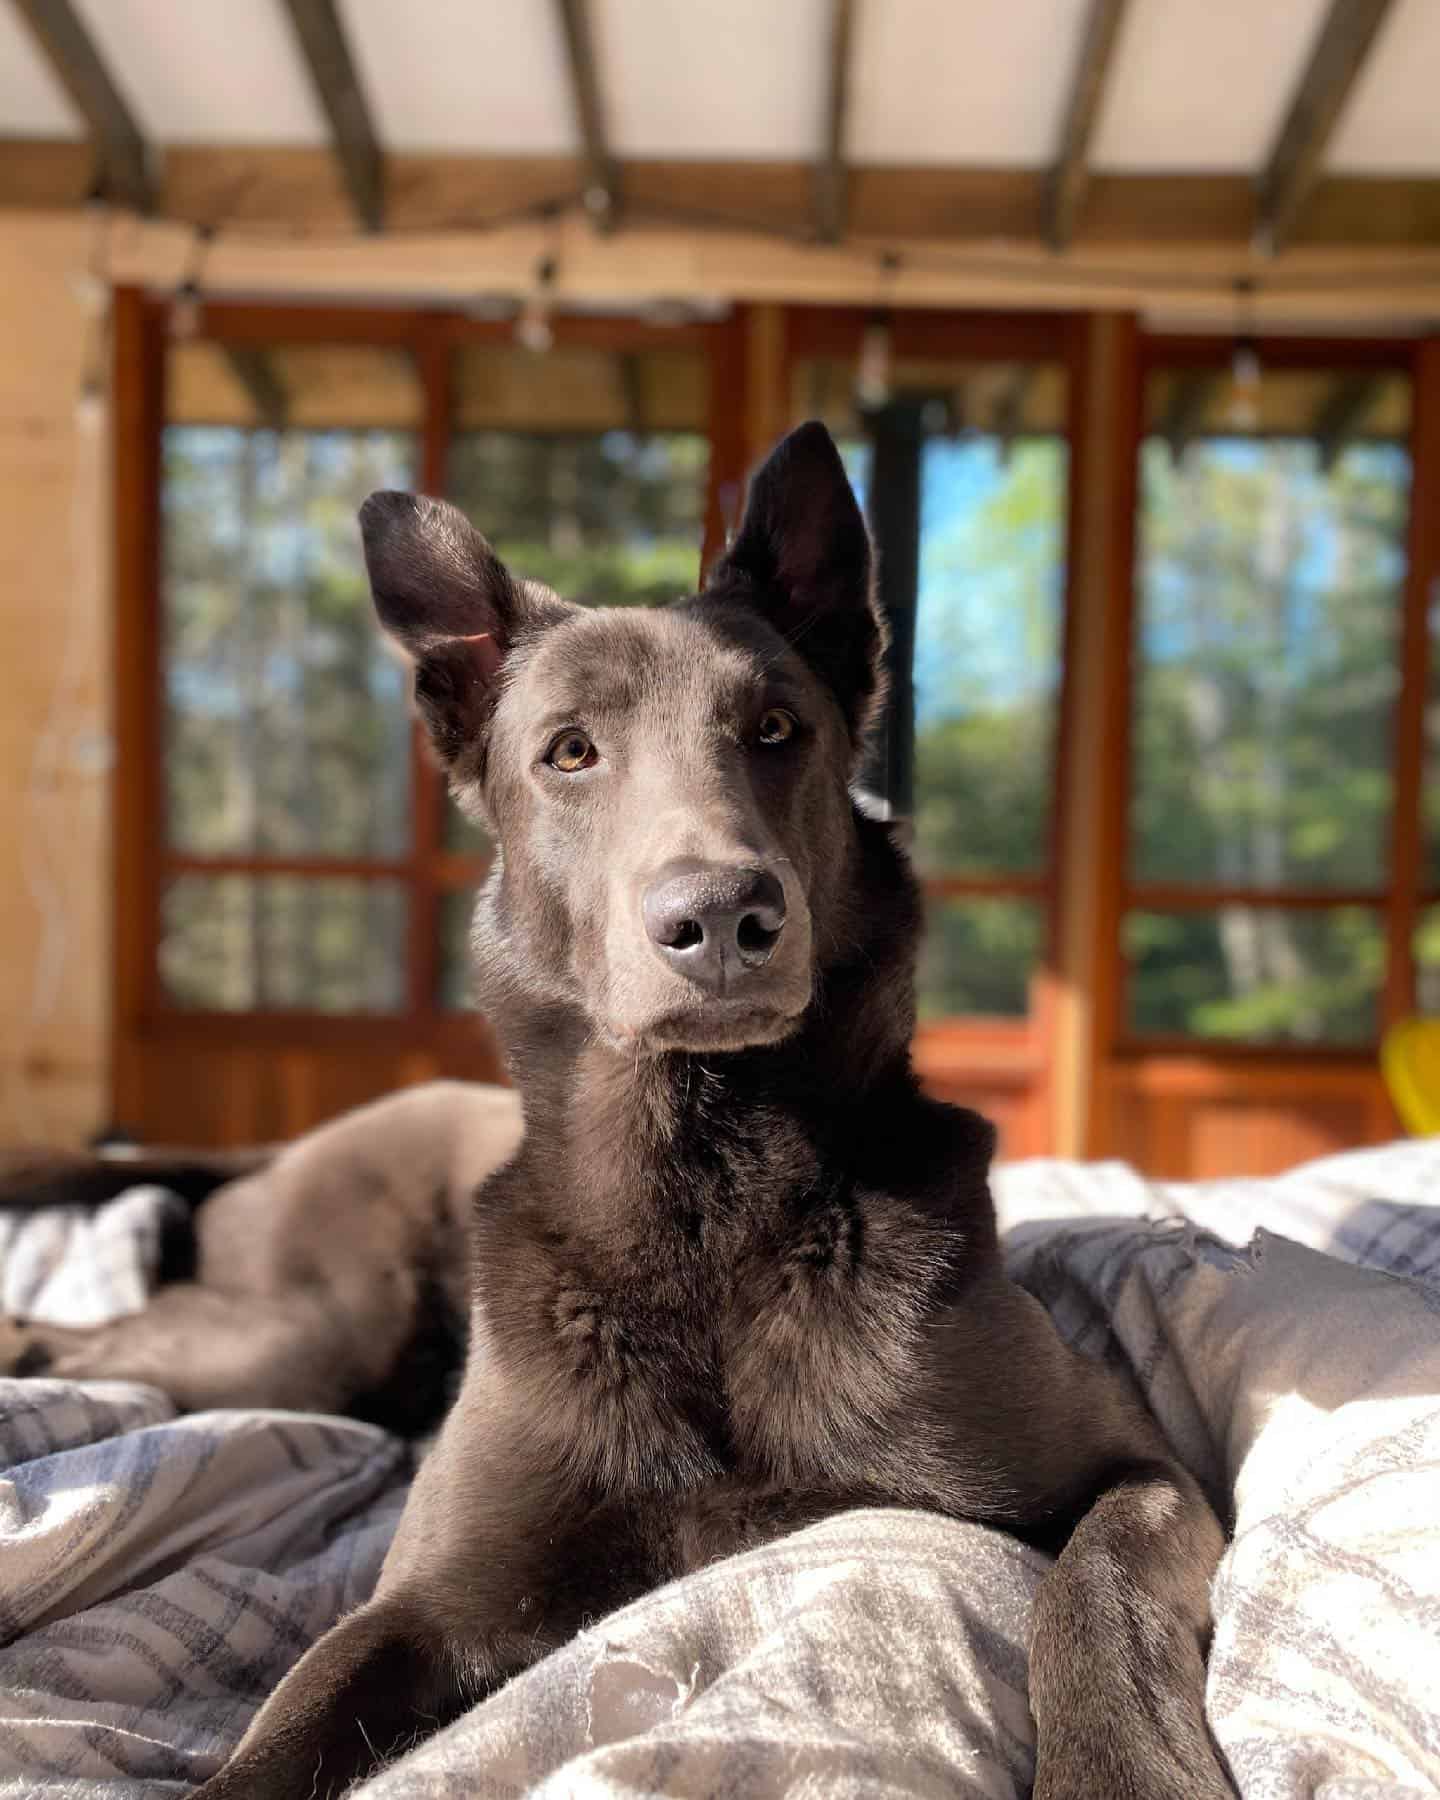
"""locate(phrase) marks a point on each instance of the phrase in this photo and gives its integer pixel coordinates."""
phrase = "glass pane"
(1256, 974)
(1272, 559)
(245, 943)
(990, 597)
(456, 962)
(978, 957)
(586, 469)
(286, 720)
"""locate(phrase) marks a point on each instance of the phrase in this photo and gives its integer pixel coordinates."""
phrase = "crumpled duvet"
(159, 1574)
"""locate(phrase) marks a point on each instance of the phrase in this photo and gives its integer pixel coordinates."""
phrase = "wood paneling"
(54, 692)
(1196, 1118)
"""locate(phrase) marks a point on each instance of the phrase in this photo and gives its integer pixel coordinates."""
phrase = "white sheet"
(158, 1575)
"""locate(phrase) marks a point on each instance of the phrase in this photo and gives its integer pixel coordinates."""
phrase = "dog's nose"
(710, 921)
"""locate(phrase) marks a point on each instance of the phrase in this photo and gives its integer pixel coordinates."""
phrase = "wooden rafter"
(119, 145)
(601, 176)
(1070, 175)
(1340, 415)
(1192, 393)
(832, 179)
(256, 373)
(326, 51)
(1344, 41)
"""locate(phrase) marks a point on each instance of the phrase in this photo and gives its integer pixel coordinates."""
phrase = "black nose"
(711, 922)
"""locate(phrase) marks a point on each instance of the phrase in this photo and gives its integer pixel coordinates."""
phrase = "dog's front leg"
(1117, 1659)
(376, 1681)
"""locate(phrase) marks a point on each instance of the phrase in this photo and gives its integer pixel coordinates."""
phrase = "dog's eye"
(777, 726)
(571, 752)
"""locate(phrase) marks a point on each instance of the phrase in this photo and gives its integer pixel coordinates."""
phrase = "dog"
(329, 1276)
(736, 1273)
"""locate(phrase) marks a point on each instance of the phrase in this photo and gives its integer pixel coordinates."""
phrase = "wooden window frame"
(1396, 903)
(143, 864)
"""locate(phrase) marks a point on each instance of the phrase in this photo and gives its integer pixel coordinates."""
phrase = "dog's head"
(669, 788)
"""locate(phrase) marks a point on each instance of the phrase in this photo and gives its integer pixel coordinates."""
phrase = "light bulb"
(872, 377)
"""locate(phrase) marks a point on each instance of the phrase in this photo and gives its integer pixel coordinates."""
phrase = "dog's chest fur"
(730, 1301)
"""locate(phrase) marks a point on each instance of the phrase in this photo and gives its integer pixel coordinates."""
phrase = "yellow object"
(1410, 1063)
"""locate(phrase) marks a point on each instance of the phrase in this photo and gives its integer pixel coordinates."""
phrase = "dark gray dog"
(739, 1273)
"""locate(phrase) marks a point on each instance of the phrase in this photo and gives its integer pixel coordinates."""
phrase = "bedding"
(158, 1574)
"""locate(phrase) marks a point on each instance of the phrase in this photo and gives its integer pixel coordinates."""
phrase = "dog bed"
(158, 1574)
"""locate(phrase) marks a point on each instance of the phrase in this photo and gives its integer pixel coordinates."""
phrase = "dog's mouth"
(740, 1023)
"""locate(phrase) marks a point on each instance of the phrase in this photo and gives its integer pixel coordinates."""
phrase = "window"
(310, 862)
(286, 721)
(1270, 602)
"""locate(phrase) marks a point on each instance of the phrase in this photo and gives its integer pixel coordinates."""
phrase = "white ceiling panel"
(936, 81)
(1203, 84)
(482, 75)
(713, 78)
(32, 101)
(1391, 125)
(207, 71)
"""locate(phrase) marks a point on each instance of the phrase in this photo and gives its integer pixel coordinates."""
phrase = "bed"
(158, 1574)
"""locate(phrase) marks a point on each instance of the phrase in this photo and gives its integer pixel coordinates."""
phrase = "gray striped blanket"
(159, 1574)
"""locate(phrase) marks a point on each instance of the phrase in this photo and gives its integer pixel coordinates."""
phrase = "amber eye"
(777, 726)
(571, 752)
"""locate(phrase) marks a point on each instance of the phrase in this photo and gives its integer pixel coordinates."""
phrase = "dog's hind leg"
(204, 1348)
(1117, 1659)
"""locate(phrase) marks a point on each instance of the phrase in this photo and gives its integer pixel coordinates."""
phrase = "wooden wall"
(54, 685)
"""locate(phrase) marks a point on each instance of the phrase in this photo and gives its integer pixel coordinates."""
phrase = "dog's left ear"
(802, 557)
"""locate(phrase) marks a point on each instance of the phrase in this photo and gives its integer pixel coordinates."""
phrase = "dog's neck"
(617, 1127)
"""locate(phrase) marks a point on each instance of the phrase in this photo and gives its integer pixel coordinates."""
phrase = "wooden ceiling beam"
(601, 175)
(293, 189)
(120, 151)
(832, 179)
(326, 52)
(1070, 173)
(1344, 41)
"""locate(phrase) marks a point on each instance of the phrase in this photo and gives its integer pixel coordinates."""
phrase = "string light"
(1243, 411)
(187, 303)
(873, 371)
(533, 329)
(91, 287)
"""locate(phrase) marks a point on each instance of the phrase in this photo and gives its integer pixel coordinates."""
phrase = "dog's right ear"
(447, 599)
(802, 558)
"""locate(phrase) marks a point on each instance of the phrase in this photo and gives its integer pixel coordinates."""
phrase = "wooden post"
(1092, 792)
(136, 794)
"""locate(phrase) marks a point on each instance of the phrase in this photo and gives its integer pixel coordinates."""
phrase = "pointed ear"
(802, 558)
(452, 605)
